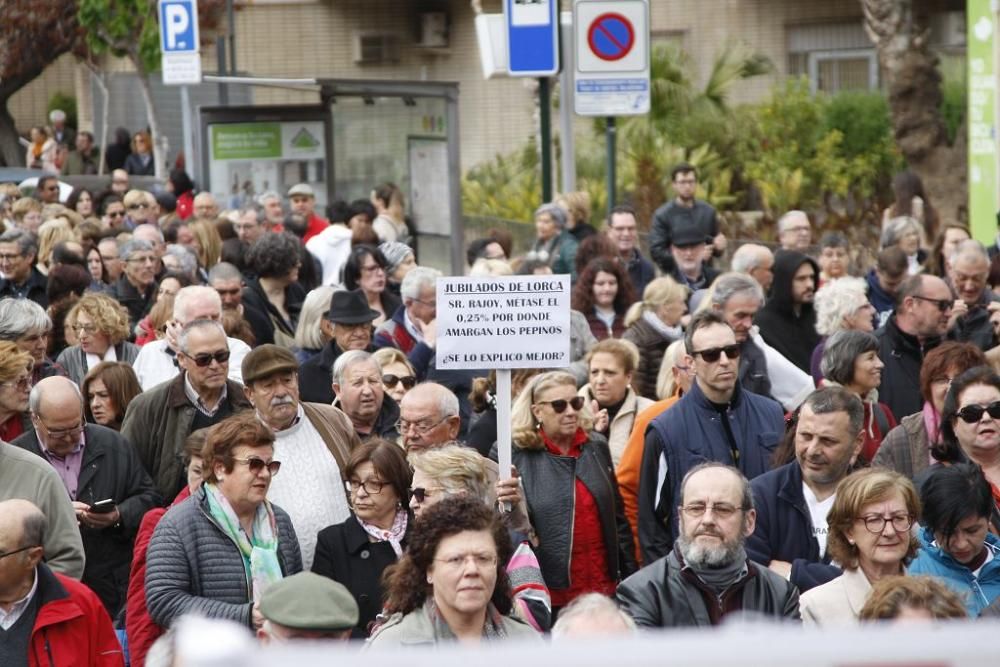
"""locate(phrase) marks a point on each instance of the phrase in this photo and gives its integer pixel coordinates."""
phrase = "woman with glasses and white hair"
(584, 541)
(841, 305)
(554, 244)
(869, 537)
(851, 361)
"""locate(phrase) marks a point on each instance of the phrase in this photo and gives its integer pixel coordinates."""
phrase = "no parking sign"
(612, 57)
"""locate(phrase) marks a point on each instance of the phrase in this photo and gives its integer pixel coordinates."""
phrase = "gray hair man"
(227, 280)
(20, 278)
(157, 360)
(313, 441)
(101, 474)
(274, 216)
(738, 297)
(357, 383)
(136, 287)
(793, 500)
(707, 575)
(412, 329)
(795, 231)
(592, 615)
(968, 270)
(757, 261)
(24, 322)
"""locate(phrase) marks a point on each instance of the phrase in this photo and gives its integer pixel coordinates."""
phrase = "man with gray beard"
(313, 441)
(708, 576)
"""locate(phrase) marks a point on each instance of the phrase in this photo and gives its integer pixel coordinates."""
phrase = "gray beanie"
(394, 253)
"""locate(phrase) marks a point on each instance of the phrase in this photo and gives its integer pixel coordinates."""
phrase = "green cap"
(308, 601)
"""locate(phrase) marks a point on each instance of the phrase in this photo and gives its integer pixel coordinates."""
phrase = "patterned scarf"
(394, 536)
(492, 629)
(260, 553)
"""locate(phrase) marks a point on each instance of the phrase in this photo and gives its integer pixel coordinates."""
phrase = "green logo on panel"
(305, 140)
(243, 141)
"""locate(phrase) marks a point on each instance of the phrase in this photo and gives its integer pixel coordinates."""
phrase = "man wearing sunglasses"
(923, 308)
(968, 271)
(138, 208)
(717, 420)
(95, 464)
(159, 420)
(313, 441)
(113, 213)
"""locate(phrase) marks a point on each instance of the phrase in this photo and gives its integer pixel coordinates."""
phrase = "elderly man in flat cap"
(307, 606)
(312, 440)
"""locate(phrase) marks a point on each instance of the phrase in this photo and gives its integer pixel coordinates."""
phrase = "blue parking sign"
(532, 28)
(178, 26)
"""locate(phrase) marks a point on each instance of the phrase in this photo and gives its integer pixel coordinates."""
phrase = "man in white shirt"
(313, 441)
(793, 500)
(157, 360)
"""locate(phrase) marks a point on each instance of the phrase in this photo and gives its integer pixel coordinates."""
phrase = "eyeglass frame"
(722, 510)
(869, 519)
(559, 405)
(205, 359)
(22, 383)
(403, 426)
(17, 551)
(420, 493)
(63, 432)
(352, 488)
(481, 561)
(943, 305)
(252, 462)
(712, 355)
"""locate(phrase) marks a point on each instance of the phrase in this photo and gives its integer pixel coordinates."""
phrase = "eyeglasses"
(421, 494)
(203, 360)
(17, 551)
(84, 328)
(143, 260)
(876, 524)
(371, 486)
(10, 258)
(132, 207)
(712, 354)
(559, 405)
(944, 305)
(720, 510)
(115, 214)
(22, 383)
(372, 268)
(257, 464)
(458, 561)
(72, 432)
(390, 381)
(420, 428)
(971, 414)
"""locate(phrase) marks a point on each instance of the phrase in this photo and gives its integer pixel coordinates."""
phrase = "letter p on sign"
(179, 26)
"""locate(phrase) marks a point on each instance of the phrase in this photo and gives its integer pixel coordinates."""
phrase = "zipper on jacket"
(238, 550)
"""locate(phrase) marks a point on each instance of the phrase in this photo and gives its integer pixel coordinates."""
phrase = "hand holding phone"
(102, 506)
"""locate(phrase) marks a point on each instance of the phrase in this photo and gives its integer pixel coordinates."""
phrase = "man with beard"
(313, 442)
(787, 321)
(707, 576)
(793, 500)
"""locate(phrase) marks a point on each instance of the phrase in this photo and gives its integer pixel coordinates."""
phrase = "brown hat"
(266, 360)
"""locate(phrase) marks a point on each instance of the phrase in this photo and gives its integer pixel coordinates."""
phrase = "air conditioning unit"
(433, 30)
(948, 28)
(375, 48)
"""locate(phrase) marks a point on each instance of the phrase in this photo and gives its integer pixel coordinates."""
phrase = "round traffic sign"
(611, 36)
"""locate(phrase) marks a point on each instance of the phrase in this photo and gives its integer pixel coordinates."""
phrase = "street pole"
(545, 120)
(220, 53)
(190, 164)
(567, 143)
(611, 135)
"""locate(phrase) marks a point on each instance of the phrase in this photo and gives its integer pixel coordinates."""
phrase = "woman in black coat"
(357, 551)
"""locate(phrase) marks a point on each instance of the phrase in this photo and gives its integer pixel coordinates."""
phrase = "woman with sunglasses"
(398, 376)
(216, 553)
(970, 426)
(869, 536)
(357, 551)
(584, 542)
(101, 327)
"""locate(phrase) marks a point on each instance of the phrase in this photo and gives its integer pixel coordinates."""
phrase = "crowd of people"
(236, 414)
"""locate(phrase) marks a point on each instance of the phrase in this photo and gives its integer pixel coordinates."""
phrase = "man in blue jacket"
(793, 500)
(716, 421)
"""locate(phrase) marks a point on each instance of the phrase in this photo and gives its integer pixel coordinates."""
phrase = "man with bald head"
(102, 477)
(43, 613)
(968, 270)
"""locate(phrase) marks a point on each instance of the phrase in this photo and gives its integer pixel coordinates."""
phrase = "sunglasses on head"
(203, 360)
(559, 405)
(390, 381)
(712, 354)
(971, 414)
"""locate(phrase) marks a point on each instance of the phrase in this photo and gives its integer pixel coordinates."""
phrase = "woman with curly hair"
(101, 327)
(603, 294)
(451, 584)
(274, 296)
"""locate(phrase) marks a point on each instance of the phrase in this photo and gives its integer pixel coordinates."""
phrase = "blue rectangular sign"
(179, 26)
(532, 37)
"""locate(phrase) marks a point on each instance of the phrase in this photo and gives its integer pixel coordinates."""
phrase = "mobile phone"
(103, 506)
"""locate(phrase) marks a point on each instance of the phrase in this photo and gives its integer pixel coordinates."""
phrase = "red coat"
(72, 628)
(185, 205)
(139, 627)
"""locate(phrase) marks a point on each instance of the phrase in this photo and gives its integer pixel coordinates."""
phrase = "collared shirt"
(196, 401)
(411, 328)
(9, 618)
(68, 467)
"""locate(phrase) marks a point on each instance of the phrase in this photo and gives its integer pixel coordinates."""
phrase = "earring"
(399, 504)
(538, 425)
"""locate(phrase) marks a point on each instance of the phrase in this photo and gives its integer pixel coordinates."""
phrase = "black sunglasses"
(559, 405)
(203, 360)
(390, 380)
(971, 414)
(420, 493)
(942, 304)
(712, 354)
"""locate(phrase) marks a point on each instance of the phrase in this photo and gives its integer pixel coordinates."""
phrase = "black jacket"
(902, 355)
(784, 528)
(385, 423)
(345, 554)
(753, 370)
(975, 326)
(669, 219)
(110, 469)
(794, 336)
(663, 595)
(137, 305)
(549, 493)
(316, 375)
(264, 318)
(33, 288)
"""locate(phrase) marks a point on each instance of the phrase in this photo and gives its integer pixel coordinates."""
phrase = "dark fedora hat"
(350, 307)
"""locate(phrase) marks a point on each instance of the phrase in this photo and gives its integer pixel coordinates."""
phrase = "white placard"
(503, 322)
(611, 77)
(181, 68)
(530, 12)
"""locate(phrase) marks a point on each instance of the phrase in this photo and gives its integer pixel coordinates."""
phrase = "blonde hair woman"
(447, 471)
(101, 326)
(653, 324)
(209, 243)
(584, 542)
(310, 336)
(51, 233)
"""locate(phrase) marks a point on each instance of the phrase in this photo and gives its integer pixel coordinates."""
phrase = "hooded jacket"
(793, 335)
(881, 301)
(977, 592)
